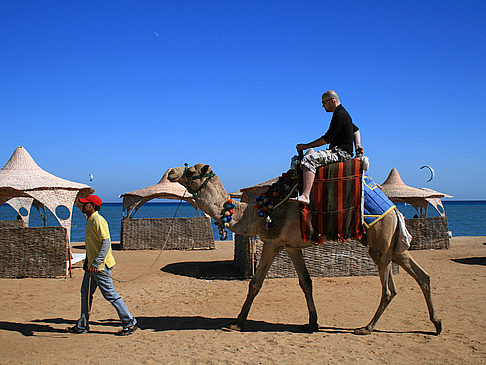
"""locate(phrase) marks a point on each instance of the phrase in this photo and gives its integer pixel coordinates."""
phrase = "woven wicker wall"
(151, 233)
(242, 255)
(39, 252)
(428, 233)
(329, 259)
(11, 224)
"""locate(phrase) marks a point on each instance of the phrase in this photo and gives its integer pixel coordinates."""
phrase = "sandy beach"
(181, 309)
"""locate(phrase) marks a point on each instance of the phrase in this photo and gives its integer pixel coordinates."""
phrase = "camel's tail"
(402, 238)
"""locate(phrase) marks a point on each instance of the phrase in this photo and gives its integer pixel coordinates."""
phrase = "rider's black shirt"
(341, 130)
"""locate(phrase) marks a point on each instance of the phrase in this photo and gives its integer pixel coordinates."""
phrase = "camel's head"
(194, 178)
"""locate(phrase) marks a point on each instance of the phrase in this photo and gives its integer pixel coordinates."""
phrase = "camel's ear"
(206, 169)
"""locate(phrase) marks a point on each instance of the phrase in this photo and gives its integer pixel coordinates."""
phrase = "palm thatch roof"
(395, 188)
(236, 194)
(164, 189)
(265, 184)
(249, 193)
(398, 192)
(21, 173)
(436, 193)
(23, 184)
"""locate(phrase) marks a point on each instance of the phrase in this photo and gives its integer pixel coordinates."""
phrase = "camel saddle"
(344, 202)
(335, 212)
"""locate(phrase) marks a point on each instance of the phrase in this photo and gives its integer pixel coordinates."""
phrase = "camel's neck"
(211, 200)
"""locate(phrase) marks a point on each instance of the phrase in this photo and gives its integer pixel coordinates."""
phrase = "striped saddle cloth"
(335, 212)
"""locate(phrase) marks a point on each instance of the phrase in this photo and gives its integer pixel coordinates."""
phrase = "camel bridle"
(208, 177)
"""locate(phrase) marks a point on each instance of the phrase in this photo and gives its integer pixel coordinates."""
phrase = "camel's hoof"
(362, 331)
(233, 327)
(310, 327)
(438, 326)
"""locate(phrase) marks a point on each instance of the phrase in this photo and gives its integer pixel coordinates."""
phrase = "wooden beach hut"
(39, 251)
(167, 233)
(427, 232)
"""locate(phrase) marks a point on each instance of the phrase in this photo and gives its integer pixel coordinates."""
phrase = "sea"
(465, 218)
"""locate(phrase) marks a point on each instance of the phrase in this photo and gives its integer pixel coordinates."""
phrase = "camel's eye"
(189, 171)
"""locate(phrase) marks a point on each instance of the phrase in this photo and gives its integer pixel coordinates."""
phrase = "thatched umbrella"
(164, 189)
(236, 195)
(250, 193)
(398, 192)
(23, 184)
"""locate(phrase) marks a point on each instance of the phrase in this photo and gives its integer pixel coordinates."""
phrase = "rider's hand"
(359, 151)
(300, 147)
(93, 269)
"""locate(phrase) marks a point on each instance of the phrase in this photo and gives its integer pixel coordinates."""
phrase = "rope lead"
(160, 252)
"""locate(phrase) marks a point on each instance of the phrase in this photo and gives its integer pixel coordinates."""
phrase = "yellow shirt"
(96, 231)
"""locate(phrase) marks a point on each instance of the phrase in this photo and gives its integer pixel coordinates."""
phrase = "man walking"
(97, 265)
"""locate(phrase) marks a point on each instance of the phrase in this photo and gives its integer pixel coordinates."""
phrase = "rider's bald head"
(329, 94)
(330, 101)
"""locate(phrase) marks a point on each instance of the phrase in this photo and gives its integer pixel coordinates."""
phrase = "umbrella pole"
(69, 256)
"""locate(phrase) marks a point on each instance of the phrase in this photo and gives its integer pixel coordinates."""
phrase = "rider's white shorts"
(316, 159)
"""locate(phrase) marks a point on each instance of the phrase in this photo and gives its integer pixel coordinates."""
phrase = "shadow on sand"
(162, 323)
(337, 330)
(471, 261)
(37, 326)
(29, 329)
(173, 323)
(208, 270)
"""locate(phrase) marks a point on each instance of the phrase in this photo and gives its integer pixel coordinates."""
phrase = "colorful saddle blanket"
(343, 200)
(335, 211)
(376, 203)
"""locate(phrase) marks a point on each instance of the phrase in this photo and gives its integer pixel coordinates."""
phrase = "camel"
(210, 196)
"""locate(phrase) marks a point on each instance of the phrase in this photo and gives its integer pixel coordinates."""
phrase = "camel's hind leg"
(305, 283)
(388, 290)
(406, 261)
(270, 250)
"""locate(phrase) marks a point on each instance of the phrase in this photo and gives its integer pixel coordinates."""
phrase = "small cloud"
(156, 34)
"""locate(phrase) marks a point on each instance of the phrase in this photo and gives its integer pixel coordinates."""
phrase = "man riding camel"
(340, 136)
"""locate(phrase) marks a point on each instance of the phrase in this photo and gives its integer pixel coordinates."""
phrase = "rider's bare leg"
(308, 182)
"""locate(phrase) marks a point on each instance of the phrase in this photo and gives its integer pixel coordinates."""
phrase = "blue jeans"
(104, 281)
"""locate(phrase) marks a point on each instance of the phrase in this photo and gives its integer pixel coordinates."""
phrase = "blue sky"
(127, 89)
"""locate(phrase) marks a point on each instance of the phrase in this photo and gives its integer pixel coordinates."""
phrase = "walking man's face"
(88, 209)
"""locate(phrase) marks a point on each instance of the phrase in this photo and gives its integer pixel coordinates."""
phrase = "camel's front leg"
(270, 250)
(388, 290)
(305, 283)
